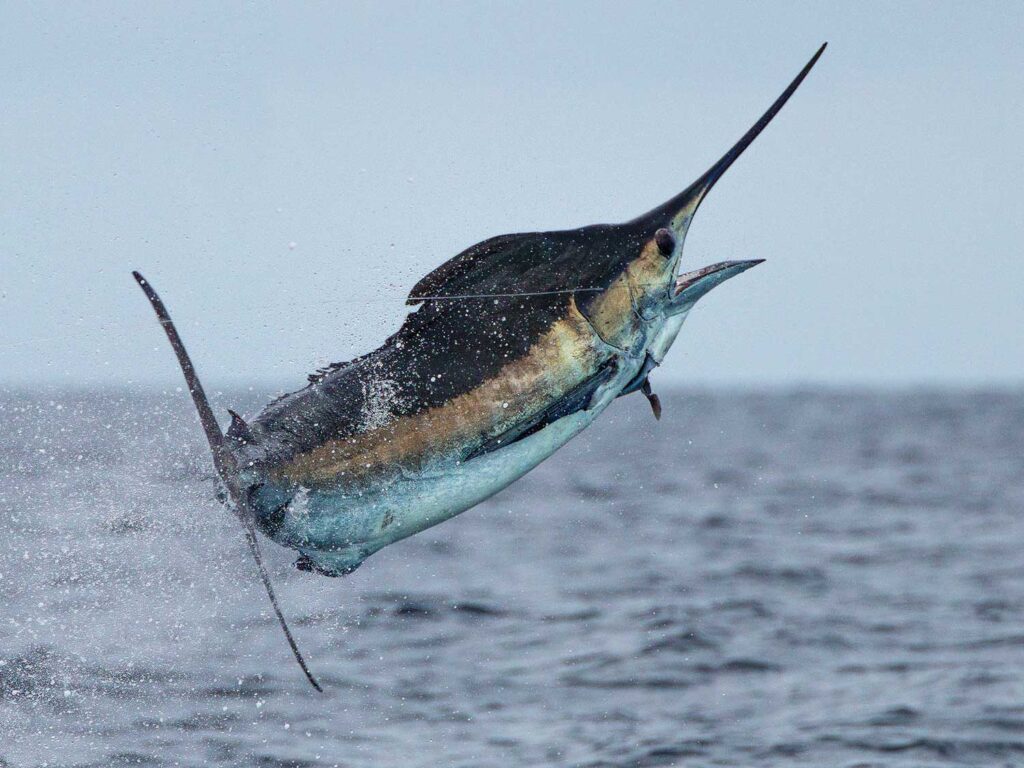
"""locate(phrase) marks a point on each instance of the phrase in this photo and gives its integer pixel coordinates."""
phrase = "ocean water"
(820, 578)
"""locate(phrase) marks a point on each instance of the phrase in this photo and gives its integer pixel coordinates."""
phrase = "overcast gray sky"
(284, 174)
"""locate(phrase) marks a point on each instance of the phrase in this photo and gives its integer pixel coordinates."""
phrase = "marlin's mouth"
(691, 286)
(670, 221)
(689, 279)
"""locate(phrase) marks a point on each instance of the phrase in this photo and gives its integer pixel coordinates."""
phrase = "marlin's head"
(655, 240)
(624, 277)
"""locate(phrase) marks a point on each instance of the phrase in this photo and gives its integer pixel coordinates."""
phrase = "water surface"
(788, 578)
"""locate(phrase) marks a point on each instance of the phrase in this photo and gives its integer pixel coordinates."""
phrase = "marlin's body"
(517, 345)
(466, 398)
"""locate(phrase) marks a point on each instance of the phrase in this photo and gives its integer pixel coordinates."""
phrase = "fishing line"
(505, 295)
(238, 322)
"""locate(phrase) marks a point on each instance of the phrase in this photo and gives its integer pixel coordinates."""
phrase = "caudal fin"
(223, 460)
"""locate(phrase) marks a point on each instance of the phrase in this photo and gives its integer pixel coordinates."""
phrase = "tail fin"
(222, 460)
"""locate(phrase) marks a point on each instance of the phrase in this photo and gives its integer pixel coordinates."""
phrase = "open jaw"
(691, 286)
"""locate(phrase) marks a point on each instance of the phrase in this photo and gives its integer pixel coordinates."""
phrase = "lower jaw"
(666, 335)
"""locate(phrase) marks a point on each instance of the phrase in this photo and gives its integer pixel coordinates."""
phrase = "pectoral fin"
(577, 399)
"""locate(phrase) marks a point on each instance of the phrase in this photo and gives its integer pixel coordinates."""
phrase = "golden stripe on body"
(562, 358)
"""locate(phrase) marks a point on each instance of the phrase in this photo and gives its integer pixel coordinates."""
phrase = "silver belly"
(337, 529)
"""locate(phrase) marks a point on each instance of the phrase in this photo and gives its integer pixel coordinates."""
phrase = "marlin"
(516, 345)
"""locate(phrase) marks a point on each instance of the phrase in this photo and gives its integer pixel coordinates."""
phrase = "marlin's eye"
(665, 241)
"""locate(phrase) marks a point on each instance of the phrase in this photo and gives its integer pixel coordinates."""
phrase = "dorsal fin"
(239, 431)
(531, 263)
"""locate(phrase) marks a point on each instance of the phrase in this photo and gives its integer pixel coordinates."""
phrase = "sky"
(284, 173)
